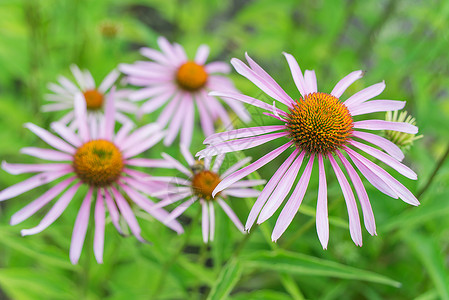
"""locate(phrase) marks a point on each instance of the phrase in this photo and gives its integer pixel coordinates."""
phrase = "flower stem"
(434, 173)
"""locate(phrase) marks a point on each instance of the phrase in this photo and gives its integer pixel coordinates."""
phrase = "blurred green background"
(404, 43)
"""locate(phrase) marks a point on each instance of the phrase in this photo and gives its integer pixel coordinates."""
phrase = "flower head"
(202, 179)
(402, 139)
(94, 96)
(104, 164)
(319, 126)
(182, 83)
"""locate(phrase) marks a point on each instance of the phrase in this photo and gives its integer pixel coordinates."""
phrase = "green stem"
(434, 173)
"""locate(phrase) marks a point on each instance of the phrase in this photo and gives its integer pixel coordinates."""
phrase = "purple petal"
(158, 91)
(50, 139)
(281, 191)
(34, 168)
(99, 228)
(66, 134)
(176, 164)
(236, 166)
(365, 94)
(109, 116)
(68, 85)
(167, 113)
(176, 121)
(297, 74)
(113, 211)
(155, 55)
(392, 162)
(80, 228)
(137, 137)
(30, 183)
(167, 49)
(204, 220)
(217, 67)
(247, 183)
(381, 142)
(179, 210)
(354, 220)
(240, 133)
(386, 125)
(343, 84)
(202, 54)
(368, 215)
(291, 208)
(211, 221)
(322, 218)
(310, 79)
(40, 202)
(56, 106)
(239, 109)
(54, 212)
(268, 189)
(149, 163)
(81, 117)
(231, 214)
(153, 140)
(78, 76)
(218, 162)
(123, 133)
(188, 124)
(376, 106)
(108, 81)
(242, 192)
(207, 124)
(251, 168)
(187, 155)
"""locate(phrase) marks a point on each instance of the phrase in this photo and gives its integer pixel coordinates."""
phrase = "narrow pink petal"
(241, 144)
(310, 79)
(55, 88)
(296, 73)
(187, 155)
(180, 53)
(109, 116)
(167, 49)
(291, 208)
(78, 76)
(99, 228)
(34, 168)
(365, 94)
(113, 211)
(148, 163)
(155, 55)
(150, 142)
(123, 132)
(204, 220)
(108, 81)
(236, 166)
(258, 80)
(231, 214)
(188, 124)
(380, 142)
(343, 84)
(30, 183)
(81, 117)
(50, 139)
(242, 192)
(372, 177)
(386, 125)
(392, 162)
(368, 215)
(241, 133)
(218, 162)
(251, 168)
(248, 100)
(40, 202)
(56, 107)
(176, 121)
(322, 218)
(287, 100)
(54, 212)
(207, 124)
(179, 210)
(354, 219)
(202, 54)
(217, 67)
(124, 106)
(239, 109)
(175, 163)
(150, 92)
(216, 108)
(148, 206)
(247, 183)
(66, 134)
(80, 228)
(137, 137)
(167, 113)
(145, 187)
(376, 106)
(211, 221)
(281, 190)
(68, 85)
(127, 214)
(268, 189)
(394, 184)
(89, 80)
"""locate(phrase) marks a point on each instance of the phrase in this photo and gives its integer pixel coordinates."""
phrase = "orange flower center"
(98, 163)
(204, 183)
(191, 76)
(320, 123)
(94, 99)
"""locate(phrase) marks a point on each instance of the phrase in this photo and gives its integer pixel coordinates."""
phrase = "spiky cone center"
(191, 76)
(94, 99)
(204, 183)
(98, 163)
(319, 123)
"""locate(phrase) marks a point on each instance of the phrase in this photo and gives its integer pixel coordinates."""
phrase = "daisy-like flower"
(104, 165)
(201, 179)
(63, 97)
(182, 83)
(319, 127)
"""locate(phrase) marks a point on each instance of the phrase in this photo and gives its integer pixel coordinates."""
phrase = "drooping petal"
(211, 221)
(204, 220)
(113, 211)
(231, 214)
(189, 120)
(322, 218)
(99, 228)
(381, 142)
(179, 210)
(80, 228)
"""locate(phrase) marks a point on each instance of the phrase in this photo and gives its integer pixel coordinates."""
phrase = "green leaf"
(261, 294)
(226, 280)
(296, 263)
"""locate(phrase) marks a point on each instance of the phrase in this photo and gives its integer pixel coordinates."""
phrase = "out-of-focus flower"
(201, 179)
(182, 83)
(403, 139)
(318, 127)
(64, 93)
(103, 164)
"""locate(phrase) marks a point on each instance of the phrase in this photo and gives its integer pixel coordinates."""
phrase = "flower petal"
(99, 228)
(231, 214)
(380, 142)
(386, 125)
(365, 94)
(345, 82)
(322, 218)
(80, 228)
(50, 139)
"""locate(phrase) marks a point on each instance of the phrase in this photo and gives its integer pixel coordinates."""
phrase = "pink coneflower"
(94, 96)
(201, 179)
(103, 164)
(319, 126)
(183, 83)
